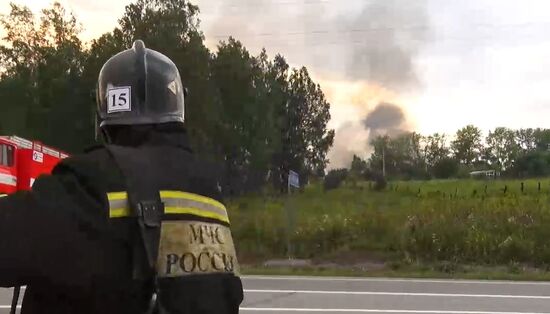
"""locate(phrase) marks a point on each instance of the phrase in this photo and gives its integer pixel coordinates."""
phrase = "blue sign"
(293, 179)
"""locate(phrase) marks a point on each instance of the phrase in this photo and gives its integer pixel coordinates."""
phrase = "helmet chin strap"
(101, 133)
(96, 128)
(98, 131)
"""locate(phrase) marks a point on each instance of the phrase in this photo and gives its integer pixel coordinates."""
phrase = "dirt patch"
(300, 263)
(354, 259)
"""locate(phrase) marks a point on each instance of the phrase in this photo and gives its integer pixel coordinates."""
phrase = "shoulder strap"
(143, 197)
(146, 206)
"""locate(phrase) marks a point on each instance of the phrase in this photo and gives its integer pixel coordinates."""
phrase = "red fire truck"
(22, 161)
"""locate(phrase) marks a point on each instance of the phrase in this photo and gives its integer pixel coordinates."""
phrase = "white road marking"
(275, 309)
(450, 281)
(457, 295)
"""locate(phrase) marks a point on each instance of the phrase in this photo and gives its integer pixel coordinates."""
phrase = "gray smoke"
(375, 41)
(372, 41)
(351, 138)
(391, 33)
(386, 118)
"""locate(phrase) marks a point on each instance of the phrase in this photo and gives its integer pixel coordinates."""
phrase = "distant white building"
(485, 173)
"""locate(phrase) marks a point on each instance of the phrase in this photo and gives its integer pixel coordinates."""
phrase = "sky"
(443, 63)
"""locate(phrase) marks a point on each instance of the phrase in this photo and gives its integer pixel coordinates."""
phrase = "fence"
(485, 190)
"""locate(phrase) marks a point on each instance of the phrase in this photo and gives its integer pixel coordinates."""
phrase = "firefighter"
(132, 226)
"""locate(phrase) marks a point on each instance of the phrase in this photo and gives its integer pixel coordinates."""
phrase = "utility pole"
(384, 159)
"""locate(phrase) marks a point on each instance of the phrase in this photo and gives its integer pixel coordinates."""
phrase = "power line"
(259, 4)
(312, 43)
(317, 32)
(320, 44)
(380, 29)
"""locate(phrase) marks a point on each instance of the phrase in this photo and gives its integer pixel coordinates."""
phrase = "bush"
(534, 164)
(334, 179)
(359, 167)
(446, 168)
(380, 183)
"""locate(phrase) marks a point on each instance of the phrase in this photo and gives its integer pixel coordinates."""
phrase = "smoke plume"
(373, 44)
(390, 33)
(374, 41)
(353, 137)
(350, 139)
(387, 119)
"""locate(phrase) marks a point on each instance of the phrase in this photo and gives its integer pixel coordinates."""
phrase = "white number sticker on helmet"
(119, 99)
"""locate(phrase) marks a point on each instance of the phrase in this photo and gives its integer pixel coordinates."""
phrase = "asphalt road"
(310, 295)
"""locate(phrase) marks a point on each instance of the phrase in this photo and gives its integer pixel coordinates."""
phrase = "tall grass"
(486, 222)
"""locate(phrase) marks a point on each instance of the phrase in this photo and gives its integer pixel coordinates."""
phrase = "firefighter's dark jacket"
(61, 241)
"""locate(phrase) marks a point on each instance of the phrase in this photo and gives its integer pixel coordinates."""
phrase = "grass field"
(460, 222)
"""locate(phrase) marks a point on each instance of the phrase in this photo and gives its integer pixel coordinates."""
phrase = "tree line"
(253, 115)
(510, 153)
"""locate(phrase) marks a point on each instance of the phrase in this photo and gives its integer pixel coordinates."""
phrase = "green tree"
(41, 85)
(410, 156)
(526, 139)
(247, 113)
(271, 98)
(382, 158)
(532, 164)
(502, 148)
(277, 76)
(467, 145)
(445, 168)
(542, 139)
(402, 156)
(358, 167)
(306, 138)
(335, 178)
(435, 149)
(358, 170)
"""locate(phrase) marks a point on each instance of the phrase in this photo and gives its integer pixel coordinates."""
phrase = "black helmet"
(139, 86)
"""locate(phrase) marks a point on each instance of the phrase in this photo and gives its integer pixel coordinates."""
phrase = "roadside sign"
(293, 179)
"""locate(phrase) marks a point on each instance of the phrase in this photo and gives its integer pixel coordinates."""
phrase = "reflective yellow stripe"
(2, 195)
(191, 196)
(176, 202)
(119, 212)
(117, 196)
(196, 212)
